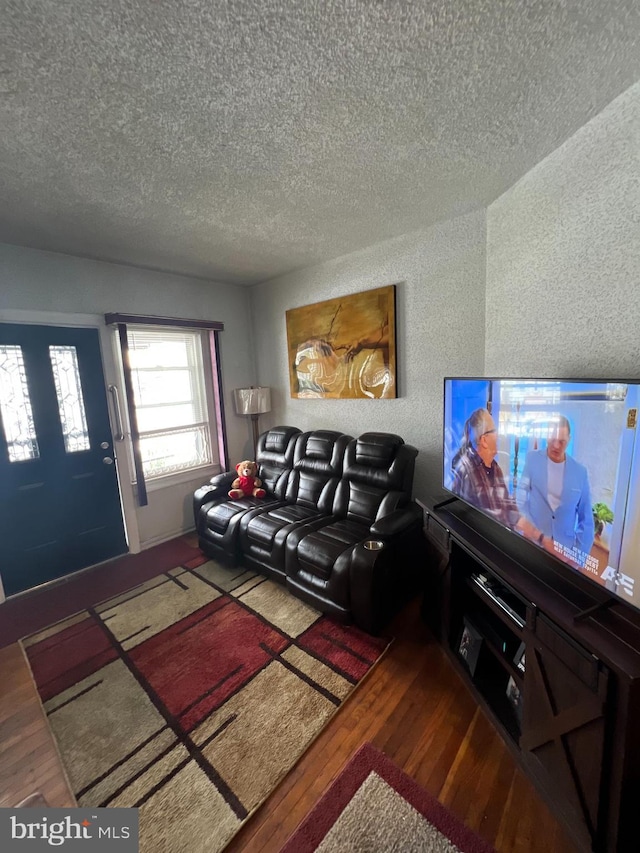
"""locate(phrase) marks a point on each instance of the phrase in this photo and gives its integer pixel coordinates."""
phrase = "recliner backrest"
(274, 455)
(377, 477)
(317, 468)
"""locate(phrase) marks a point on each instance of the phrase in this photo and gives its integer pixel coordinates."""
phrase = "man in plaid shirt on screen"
(478, 479)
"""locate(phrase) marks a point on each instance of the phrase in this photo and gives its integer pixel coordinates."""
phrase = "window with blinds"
(168, 379)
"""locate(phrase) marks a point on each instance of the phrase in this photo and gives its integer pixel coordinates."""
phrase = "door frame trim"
(111, 377)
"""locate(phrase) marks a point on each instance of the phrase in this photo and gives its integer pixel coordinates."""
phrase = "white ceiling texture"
(238, 140)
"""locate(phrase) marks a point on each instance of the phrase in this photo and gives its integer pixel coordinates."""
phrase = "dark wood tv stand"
(553, 663)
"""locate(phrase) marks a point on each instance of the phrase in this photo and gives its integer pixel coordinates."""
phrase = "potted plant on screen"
(602, 515)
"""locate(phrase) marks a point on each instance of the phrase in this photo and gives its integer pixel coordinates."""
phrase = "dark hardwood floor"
(416, 708)
(29, 759)
(413, 706)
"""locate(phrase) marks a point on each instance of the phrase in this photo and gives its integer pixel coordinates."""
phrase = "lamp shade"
(252, 401)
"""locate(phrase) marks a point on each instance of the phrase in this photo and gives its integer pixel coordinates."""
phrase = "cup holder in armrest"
(373, 544)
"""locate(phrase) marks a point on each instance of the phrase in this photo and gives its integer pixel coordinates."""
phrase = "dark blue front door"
(60, 505)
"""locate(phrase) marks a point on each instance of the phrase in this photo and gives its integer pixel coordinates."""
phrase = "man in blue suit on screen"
(554, 495)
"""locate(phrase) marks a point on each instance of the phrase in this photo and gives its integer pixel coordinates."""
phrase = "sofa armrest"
(216, 490)
(382, 581)
(223, 481)
(397, 522)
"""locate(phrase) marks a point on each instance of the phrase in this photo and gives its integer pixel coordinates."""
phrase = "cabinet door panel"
(563, 726)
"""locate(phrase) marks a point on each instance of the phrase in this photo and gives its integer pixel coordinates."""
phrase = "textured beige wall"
(563, 257)
(439, 274)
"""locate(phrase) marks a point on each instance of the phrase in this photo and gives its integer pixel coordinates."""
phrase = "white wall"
(439, 274)
(563, 269)
(39, 285)
(563, 257)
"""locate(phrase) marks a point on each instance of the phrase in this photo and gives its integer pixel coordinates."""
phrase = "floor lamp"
(253, 402)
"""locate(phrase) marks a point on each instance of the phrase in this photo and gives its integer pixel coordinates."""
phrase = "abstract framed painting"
(344, 348)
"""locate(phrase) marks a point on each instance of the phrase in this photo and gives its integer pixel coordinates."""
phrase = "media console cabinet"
(553, 662)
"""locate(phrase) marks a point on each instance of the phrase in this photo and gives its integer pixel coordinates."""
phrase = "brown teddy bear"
(246, 483)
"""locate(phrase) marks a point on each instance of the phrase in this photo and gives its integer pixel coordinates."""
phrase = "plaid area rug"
(191, 695)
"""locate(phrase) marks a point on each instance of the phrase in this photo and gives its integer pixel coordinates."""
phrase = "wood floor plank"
(29, 759)
(416, 708)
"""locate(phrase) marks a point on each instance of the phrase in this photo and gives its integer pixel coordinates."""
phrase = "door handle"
(119, 433)
(107, 460)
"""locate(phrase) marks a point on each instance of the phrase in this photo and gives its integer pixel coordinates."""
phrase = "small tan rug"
(374, 807)
(191, 696)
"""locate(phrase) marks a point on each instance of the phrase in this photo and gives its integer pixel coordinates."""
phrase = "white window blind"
(168, 379)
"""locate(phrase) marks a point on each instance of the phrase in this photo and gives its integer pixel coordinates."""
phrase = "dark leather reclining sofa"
(337, 526)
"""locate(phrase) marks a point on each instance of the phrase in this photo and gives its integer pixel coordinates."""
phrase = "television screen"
(555, 462)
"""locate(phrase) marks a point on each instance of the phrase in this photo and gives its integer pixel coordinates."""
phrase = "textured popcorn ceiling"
(239, 140)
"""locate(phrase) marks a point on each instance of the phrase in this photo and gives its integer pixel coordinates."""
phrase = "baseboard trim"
(165, 537)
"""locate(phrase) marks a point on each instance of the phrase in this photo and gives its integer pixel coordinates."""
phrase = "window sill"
(204, 473)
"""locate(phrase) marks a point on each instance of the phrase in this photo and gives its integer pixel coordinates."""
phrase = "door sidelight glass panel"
(64, 363)
(15, 406)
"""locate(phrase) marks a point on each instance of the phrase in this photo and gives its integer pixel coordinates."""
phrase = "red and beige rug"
(374, 807)
(191, 695)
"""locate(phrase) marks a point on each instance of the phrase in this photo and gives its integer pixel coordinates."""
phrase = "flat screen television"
(556, 462)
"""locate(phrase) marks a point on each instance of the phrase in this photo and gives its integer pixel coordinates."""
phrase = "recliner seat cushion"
(320, 550)
(219, 515)
(263, 528)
